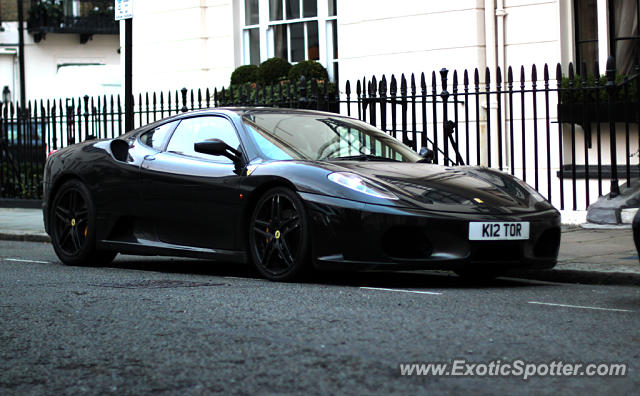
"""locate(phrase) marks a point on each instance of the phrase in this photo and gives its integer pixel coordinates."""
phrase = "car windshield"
(283, 136)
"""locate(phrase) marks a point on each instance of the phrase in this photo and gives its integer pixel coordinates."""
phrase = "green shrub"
(244, 74)
(309, 69)
(270, 95)
(273, 70)
(577, 93)
(45, 12)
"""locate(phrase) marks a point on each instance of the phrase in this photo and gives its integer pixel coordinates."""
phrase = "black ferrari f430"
(289, 190)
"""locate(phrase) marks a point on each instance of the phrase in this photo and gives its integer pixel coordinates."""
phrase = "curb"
(552, 275)
(579, 276)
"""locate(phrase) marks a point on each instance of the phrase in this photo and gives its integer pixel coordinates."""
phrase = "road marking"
(580, 307)
(401, 291)
(27, 261)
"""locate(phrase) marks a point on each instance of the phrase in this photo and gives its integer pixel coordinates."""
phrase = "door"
(193, 197)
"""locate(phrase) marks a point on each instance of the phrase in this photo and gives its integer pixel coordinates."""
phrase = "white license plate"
(499, 231)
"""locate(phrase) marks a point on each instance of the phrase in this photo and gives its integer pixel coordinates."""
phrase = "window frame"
(327, 43)
(163, 146)
(218, 159)
(578, 41)
(613, 39)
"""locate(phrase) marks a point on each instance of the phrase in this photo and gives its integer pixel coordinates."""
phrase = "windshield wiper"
(361, 157)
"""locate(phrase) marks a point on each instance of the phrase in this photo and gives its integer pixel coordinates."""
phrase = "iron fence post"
(86, 116)
(611, 91)
(302, 92)
(445, 116)
(183, 91)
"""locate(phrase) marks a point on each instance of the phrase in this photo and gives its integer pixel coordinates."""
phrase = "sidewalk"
(22, 225)
(585, 253)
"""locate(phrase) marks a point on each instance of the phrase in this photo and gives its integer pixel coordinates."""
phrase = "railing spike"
(546, 73)
(534, 74)
(413, 85)
(383, 86)
(393, 86)
(571, 74)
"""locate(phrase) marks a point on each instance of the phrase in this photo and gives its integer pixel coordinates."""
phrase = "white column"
(603, 34)
(263, 19)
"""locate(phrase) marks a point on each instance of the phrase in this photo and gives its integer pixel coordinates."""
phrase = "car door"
(193, 197)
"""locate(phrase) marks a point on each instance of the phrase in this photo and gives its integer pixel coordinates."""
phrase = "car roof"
(239, 111)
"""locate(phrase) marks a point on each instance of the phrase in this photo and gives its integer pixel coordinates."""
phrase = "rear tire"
(73, 227)
(279, 236)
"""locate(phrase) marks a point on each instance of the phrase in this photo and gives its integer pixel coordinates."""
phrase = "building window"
(586, 34)
(294, 30)
(71, 8)
(251, 32)
(624, 37)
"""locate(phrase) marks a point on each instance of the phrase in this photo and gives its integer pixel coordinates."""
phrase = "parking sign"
(123, 9)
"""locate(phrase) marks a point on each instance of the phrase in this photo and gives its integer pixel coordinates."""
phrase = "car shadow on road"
(380, 279)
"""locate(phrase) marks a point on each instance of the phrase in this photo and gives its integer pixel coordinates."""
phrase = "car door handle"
(149, 157)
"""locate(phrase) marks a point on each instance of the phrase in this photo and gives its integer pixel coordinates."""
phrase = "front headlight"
(355, 182)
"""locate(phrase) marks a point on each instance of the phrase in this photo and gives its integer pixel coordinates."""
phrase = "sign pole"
(23, 92)
(128, 92)
(124, 10)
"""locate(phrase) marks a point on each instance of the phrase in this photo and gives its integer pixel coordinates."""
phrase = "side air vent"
(120, 150)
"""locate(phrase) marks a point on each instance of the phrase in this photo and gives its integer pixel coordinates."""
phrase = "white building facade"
(76, 53)
(59, 66)
(200, 42)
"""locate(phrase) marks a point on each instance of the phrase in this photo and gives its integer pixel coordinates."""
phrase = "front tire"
(278, 235)
(73, 227)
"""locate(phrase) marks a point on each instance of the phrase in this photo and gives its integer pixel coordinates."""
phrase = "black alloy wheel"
(278, 235)
(72, 221)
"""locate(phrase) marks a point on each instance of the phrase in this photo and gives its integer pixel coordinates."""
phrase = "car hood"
(455, 189)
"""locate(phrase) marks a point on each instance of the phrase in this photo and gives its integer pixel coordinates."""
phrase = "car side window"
(198, 129)
(157, 137)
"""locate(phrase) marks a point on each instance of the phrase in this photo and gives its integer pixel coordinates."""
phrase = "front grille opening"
(406, 243)
(548, 243)
(497, 252)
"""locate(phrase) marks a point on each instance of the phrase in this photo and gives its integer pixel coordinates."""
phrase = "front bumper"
(354, 235)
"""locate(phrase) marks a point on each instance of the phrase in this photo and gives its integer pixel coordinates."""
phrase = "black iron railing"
(535, 124)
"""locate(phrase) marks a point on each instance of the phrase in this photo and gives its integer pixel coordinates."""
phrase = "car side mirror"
(218, 147)
(426, 154)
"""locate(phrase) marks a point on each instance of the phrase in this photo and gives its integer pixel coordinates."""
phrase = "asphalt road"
(175, 326)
